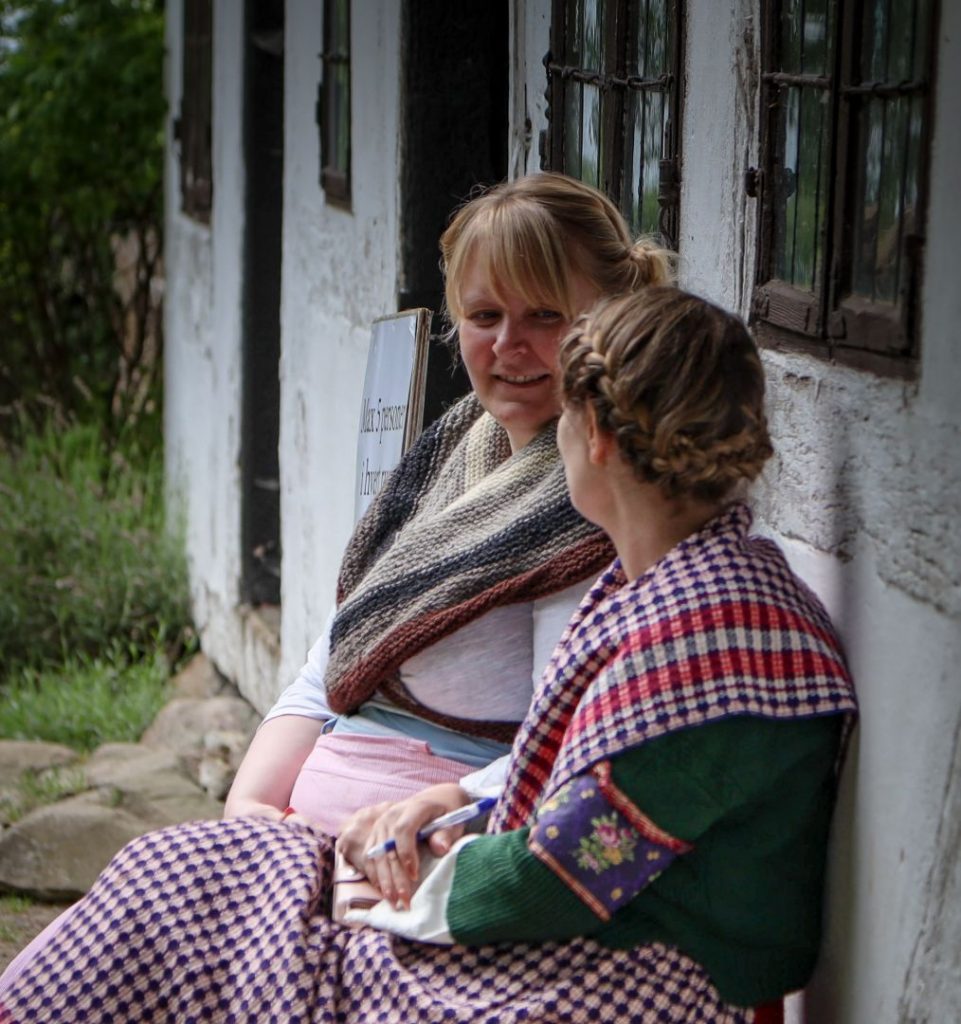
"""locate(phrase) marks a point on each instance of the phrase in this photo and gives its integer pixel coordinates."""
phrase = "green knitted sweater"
(754, 796)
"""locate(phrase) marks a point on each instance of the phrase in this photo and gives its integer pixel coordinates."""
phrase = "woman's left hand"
(395, 874)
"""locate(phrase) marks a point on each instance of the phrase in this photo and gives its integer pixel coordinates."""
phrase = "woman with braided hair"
(657, 853)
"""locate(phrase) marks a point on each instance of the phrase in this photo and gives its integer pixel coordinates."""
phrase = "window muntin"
(333, 107)
(615, 101)
(845, 91)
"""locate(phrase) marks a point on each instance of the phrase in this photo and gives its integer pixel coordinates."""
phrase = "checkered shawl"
(461, 527)
(719, 626)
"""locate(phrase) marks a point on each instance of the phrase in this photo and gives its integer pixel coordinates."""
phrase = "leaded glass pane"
(592, 35)
(802, 143)
(800, 188)
(340, 27)
(591, 135)
(335, 115)
(874, 36)
(815, 47)
(785, 184)
(613, 134)
(889, 133)
(652, 47)
(572, 129)
(789, 49)
(340, 117)
(574, 36)
(648, 114)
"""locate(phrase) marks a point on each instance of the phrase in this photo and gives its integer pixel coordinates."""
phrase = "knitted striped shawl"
(719, 626)
(462, 526)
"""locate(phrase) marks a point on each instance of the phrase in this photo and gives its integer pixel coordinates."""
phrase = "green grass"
(93, 593)
(85, 701)
(16, 926)
(10, 906)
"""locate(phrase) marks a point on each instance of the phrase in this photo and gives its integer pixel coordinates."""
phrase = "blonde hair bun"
(655, 264)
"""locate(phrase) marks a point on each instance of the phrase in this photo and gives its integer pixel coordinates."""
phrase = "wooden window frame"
(192, 126)
(613, 80)
(830, 322)
(334, 179)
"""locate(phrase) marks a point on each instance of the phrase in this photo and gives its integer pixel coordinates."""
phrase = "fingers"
(441, 842)
(395, 872)
(391, 878)
(357, 836)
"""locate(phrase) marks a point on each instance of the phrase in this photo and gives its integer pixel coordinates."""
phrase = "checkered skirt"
(226, 921)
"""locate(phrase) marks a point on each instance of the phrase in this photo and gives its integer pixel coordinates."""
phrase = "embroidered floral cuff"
(600, 845)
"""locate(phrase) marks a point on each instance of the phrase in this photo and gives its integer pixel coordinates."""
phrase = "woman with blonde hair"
(657, 853)
(458, 581)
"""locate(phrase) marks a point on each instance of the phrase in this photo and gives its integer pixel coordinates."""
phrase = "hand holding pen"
(458, 817)
(385, 842)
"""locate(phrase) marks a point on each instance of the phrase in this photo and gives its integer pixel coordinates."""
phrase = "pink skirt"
(347, 771)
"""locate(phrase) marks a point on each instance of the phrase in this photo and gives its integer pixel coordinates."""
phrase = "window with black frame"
(192, 127)
(846, 95)
(333, 104)
(614, 91)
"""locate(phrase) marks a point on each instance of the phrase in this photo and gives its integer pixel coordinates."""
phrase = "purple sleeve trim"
(600, 845)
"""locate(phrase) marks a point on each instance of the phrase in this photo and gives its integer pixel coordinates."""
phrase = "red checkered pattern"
(720, 626)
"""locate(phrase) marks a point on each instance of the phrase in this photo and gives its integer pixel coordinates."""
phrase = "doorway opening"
(264, 160)
(454, 136)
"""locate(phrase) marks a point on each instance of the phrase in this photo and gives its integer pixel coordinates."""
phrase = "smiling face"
(509, 346)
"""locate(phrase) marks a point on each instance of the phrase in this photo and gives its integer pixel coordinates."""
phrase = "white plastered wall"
(339, 273)
(202, 346)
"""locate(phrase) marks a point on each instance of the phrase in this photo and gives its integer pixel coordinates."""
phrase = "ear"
(600, 444)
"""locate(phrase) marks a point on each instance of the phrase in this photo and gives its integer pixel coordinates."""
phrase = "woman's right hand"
(257, 809)
(395, 874)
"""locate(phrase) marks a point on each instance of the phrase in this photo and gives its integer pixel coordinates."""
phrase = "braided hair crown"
(679, 384)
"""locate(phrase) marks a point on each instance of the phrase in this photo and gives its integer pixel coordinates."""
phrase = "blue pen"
(458, 817)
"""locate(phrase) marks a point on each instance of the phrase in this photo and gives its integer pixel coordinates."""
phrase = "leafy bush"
(86, 564)
(81, 171)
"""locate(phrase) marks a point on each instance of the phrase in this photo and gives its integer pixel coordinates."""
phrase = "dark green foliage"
(81, 167)
(87, 568)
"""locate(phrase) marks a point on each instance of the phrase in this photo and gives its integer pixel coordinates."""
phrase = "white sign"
(392, 406)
